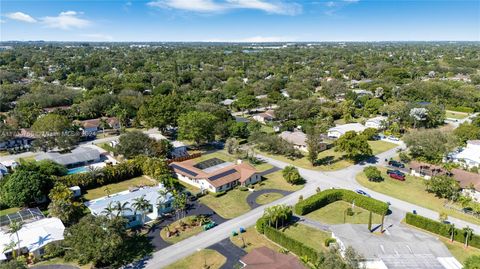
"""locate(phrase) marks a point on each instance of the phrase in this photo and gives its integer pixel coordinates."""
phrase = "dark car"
(398, 172)
(396, 164)
(362, 193)
(397, 176)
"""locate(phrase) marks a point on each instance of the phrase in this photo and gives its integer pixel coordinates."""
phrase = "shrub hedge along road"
(326, 197)
(442, 229)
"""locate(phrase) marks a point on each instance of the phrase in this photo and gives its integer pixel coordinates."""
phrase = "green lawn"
(4, 153)
(411, 190)
(7, 211)
(117, 187)
(449, 114)
(458, 251)
(311, 237)
(334, 213)
(230, 205)
(182, 235)
(267, 198)
(276, 181)
(253, 240)
(331, 160)
(61, 261)
(205, 258)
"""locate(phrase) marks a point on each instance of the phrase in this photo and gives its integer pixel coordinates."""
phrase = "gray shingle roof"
(78, 155)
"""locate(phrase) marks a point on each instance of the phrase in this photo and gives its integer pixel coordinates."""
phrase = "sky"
(240, 20)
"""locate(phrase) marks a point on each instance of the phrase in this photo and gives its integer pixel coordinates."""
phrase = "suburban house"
(265, 258)
(93, 126)
(215, 175)
(401, 247)
(469, 156)
(227, 102)
(299, 140)
(161, 202)
(77, 157)
(339, 130)
(265, 117)
(469, 182)
(47, 110)
(377, 122)
(36, 233)
(360, 92)
(23, 138)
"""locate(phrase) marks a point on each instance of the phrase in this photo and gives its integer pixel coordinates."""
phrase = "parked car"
(398, 172)
(397, 176)
(393, 138)
(396, 164)
(362, 193)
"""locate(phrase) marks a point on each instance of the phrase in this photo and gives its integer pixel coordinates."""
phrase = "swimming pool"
(76, 170)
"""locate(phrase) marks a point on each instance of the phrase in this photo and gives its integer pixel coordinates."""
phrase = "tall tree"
(353, 145)
(13, 228)
(314, 143)
(54, 131)
(197, 126)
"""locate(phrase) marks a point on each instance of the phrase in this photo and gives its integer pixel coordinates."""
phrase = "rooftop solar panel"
(226, 173)
(184, 170)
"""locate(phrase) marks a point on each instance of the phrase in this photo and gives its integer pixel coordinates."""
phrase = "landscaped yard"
(267, 198)
(331, 160)
(182, 232)
(276, 181)
(230, 205)
(9, 211)
(411, 190)
(253, 240)
(311, 237)
(223, 155)
(208, 257)
(61, 261)
(335, 213)
(458, 251)
(449, 114)
(118, 187)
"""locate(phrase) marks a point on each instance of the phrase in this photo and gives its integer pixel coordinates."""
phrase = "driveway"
(252, 197)
(230, 251)
(54, 266)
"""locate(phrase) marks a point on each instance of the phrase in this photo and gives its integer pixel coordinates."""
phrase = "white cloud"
(334, 6)
(351, 1)
(212, 6)
(97, 37)
(20, 16)
(66, 20)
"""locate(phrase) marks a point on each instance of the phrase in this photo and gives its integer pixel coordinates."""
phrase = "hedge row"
(326, 197)
(291, 244)
(442, 229)
(106, 175)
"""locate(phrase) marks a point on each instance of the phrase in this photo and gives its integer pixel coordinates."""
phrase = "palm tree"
(141, 204)
(11, 246)
(109, 210)
(13, 228)
(452, 231)
(103, 124)
(120, 208)
(468, 233)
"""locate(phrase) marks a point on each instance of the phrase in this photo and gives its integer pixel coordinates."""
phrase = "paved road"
(252, 197)
(338, 179)
(229, 251)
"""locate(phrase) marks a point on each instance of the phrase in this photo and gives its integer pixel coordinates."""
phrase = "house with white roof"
(339, 130)
(179, 149)
(161, 202)
(376, 123)
(470, 155)
(299, 140)
(265, 117)
(34, 236)
(76, 157)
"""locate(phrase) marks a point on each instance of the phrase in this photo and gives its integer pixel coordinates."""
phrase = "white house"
(159, 204)
(179, 148)
(215, 175)
(265, 117)
(339, 130)
(361, 92)
(470, 155)
(377, 122)
(34, 236)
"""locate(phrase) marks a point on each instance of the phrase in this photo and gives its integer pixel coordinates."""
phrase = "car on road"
(396, 164)
(362, 193)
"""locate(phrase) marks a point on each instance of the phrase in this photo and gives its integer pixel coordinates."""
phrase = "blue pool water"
(81, 169)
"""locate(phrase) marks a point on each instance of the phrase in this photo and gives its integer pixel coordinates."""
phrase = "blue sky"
(239, 20)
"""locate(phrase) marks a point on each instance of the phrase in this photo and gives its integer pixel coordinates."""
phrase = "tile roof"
(265, 258)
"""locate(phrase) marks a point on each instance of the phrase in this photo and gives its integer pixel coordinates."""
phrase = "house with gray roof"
(77, 157)
(339, 130)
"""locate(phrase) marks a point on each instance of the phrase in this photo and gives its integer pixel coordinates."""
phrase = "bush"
(261, 224)
(218, 194)
(326, 197)
(243, 188)
(472, 262)
(291, 244)
(372, 173)
(328, 241)
(461, 109)
(53, 250)
(440, 228)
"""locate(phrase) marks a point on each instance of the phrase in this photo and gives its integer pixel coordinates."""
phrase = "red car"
(397, 176)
